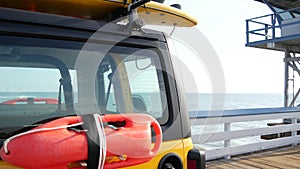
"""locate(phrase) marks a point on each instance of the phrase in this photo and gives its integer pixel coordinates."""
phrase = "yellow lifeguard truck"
(92, 56)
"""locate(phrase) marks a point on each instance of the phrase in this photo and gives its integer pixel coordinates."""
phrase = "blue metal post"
(266, 31)
(286, 78)
(247, 31)
(273, 17)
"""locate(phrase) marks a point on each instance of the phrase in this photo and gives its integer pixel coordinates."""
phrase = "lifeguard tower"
(280, 31)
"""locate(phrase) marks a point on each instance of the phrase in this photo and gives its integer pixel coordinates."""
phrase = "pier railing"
(269, 27)
(228, 129)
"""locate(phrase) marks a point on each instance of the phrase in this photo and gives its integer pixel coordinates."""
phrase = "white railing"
(227, 135)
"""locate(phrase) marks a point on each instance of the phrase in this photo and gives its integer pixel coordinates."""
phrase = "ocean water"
(202, 101)
(229, 102)
(4, 96)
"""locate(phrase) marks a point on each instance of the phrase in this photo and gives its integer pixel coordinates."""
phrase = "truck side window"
(132, 80)
(147, 95)
(146, 81)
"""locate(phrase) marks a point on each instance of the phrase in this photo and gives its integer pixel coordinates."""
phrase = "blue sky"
(247, 70)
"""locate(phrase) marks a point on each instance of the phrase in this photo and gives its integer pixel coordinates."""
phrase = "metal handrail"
(228, 134)
(260, 17)
(241, 112)
(269, 28)
(259, 22)
(266, 27)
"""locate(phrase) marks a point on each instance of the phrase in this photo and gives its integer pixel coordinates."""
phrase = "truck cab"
(88, 65)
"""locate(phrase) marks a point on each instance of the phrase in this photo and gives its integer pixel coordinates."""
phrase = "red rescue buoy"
(49, 149)
(128, 142)
(32, 101)
(131, 144)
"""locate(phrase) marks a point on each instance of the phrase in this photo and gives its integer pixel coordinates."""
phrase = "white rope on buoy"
(100, 129)
(5, 143)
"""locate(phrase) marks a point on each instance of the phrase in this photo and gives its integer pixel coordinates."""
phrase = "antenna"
(178, 6)
(134, 21)
(135, 4)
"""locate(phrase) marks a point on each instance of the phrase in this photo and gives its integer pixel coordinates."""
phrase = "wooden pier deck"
(283, 158)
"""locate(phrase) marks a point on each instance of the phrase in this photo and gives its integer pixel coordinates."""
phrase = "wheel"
(168, 166)
(170, 161)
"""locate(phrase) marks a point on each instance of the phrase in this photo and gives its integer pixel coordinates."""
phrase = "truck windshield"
(39, 83)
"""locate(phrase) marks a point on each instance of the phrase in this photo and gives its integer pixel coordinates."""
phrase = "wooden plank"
(228, 166)
(294, 157)
(224, 165)
(280, 162)
(288, 157)
(213, 167)
(241, 165)
(254, 164)
(284, 157)
(214, 154)
(214, 164)
(263, 162)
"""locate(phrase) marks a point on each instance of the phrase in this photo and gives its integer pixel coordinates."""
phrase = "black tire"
(170, 161)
